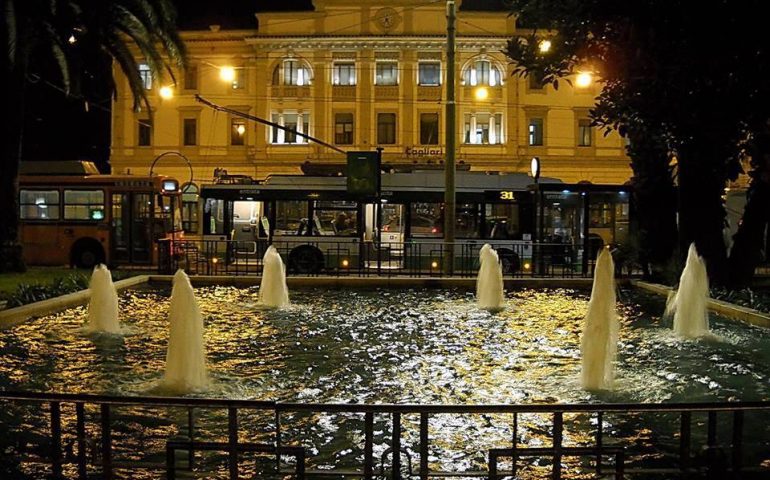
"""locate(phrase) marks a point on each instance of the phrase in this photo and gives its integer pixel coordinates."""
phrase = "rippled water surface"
(399, 346)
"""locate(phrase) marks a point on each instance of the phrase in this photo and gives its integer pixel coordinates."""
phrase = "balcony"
(344, 92)
(386, 92)
(290, 91)
(429, 93)
(468, 93)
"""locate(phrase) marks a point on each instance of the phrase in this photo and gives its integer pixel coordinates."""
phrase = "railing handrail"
(383, 407)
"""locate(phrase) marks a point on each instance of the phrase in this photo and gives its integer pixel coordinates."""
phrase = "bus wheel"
(509, 260)
(306, 259)
(87, 253)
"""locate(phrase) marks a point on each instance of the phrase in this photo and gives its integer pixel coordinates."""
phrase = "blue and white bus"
(317, 226)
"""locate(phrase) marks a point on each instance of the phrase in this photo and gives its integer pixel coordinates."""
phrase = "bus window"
(467, 220)
(190, 208)
(84, 205)
(39, 204)
(335, 218)
(290, 217)
(167, 217)
(245, 216)
(392, 220)
(213, 217)
(502, 221)
(427, 220)
(562, 218)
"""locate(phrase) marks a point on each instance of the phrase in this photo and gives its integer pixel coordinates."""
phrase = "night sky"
(58, 127)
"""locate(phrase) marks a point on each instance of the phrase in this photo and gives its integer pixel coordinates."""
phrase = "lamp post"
(534, 168)
(537, 256)
(451, 140)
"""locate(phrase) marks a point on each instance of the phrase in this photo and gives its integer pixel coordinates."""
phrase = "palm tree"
(73, 34)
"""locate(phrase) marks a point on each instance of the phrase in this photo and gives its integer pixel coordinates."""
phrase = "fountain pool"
(403, 346)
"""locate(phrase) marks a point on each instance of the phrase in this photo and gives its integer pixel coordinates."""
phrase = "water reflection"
(406, 346)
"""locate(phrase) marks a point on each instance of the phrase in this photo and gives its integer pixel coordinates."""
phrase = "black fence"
(716, 453)
(352, 257)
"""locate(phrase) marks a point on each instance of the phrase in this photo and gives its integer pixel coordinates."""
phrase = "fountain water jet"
(186, 356)
(489, 284)
(599, 343)
(103, 305)
(688, 304)
(273, 291)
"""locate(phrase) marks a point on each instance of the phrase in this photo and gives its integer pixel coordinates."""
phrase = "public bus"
(317, 225)
(70, 214)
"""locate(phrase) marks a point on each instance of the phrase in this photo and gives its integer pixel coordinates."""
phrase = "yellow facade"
(361, 74)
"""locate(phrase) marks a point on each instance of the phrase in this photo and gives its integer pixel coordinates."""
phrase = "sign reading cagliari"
(424, 152)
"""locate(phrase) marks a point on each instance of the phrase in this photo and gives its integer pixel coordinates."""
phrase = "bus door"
(389, 237)
(131, 227)
(248, 231)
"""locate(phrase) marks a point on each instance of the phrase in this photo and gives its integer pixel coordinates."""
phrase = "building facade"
(361, 74)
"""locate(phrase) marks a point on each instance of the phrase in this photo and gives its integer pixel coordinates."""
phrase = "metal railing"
(351, 257)
(724, 458)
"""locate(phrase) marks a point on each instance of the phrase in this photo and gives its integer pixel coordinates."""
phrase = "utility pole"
(451, 143)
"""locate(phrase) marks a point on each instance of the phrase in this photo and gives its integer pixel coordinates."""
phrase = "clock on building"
(387, 18)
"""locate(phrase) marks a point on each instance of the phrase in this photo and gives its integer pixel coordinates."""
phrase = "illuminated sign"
(170, 185)
(501, 195)
(363, 173)
(424, 152)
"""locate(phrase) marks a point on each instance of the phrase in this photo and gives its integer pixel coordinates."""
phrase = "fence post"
(106, 442)
(711, 443)
(599, 441)
(170, 463)
(684, 442)
(558, 425)
(232, 437)
(191, 435)
(56, 456)
(396, 446)
(368, 446)
(81, 440)
(423, 446)
(737, 443)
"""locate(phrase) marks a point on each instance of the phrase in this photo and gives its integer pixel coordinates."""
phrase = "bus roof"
(125, 181)
(415, 181)
(58, 167)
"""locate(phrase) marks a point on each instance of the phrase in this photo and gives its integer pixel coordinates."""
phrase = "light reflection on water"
(391, 346)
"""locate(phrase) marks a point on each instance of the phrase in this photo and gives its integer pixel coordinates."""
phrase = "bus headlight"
(434, 264)
(527, 266)
(345, 263)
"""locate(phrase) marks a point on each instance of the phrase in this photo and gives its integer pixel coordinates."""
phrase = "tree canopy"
(692, 74)
(74, 34)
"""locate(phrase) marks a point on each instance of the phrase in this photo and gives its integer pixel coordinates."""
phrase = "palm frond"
(9, 13)
(125, 58)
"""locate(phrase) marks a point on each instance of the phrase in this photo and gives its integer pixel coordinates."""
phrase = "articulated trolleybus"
(70, 214)
(317, 226)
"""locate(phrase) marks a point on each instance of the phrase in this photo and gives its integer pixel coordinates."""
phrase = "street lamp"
(227, 74)
(534, 168)
(544, 46)
(481, 93)
(166, 92)
(583, 79)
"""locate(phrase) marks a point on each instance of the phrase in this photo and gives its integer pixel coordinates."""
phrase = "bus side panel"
(41, 245)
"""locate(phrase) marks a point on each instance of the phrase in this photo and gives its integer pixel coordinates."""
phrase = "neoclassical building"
(361, 74)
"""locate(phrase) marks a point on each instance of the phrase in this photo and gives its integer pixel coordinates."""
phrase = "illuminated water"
(273, 291)
(599, 340)
(103, 304)
(688, 304)
(422, 346)
(489, 283)
(185, 370)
